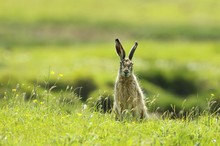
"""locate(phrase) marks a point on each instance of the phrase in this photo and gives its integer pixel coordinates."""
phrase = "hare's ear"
(132, 51)
(119, 49)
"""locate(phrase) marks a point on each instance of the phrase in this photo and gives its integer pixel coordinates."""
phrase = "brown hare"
(128, 96)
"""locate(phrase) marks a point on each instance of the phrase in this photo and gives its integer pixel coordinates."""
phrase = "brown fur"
(128, 96)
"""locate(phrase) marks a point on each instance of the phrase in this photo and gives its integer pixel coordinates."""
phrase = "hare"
(128, 96)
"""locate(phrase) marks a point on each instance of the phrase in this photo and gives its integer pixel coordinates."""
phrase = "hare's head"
(126, 64)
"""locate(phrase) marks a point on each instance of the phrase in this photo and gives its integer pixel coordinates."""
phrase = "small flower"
(52, 72)
(79, 114)
(212, 94)
(35, 101)
(41, 102)
(61, 75)
(14, 90)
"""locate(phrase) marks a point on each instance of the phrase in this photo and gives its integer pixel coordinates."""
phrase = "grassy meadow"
(42, 123)
(58, 67)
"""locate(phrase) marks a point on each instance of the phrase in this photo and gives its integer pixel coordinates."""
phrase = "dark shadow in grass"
(180, 82)
(104, 104)
(81, 86)
(86, 86)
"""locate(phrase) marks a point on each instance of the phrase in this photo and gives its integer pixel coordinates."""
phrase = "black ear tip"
(116, 40)
(136, 43)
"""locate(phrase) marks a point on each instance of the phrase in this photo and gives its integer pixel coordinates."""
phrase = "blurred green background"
(70, 43)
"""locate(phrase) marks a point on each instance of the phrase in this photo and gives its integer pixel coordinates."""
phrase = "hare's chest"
(126, 92)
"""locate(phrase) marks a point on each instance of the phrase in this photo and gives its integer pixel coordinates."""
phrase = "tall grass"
(39, 122)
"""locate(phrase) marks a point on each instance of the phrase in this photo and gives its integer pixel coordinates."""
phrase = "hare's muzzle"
(126, 73)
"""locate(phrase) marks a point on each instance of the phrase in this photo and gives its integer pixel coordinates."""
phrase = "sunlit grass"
(130, 12)
(46, 47)
(60, 118)
(42, 123)
(94, 58)
(68, 22)
(195, 61)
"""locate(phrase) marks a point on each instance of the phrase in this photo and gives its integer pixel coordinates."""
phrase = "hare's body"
(128, 96)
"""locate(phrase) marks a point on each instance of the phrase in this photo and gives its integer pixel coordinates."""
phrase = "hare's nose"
(126, 71)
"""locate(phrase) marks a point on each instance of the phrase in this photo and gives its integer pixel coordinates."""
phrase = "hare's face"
(126, 66)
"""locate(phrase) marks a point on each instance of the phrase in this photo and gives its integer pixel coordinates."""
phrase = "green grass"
(67, 22)
(47, 122)
(194, 63)
(50, 49)
(67, 59)
(152, 12)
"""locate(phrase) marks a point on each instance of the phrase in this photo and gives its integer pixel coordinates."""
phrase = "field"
(58, 67)
(42, 123)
